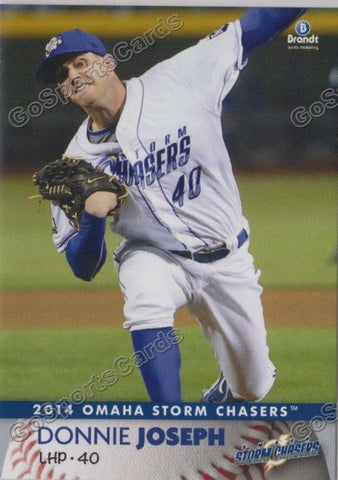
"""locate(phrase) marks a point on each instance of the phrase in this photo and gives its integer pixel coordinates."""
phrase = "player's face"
(84, 77)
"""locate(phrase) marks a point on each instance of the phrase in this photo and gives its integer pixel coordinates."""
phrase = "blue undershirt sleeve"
(86, 252)
(259, 25)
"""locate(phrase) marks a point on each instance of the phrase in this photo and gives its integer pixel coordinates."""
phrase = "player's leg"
(230, 311)
(154, 286)
(161, 374)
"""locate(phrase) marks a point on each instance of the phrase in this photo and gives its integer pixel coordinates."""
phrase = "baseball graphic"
(138, 450)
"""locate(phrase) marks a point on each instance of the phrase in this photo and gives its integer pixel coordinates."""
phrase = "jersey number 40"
(192, 181)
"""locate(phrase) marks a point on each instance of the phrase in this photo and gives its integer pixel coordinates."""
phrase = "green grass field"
(293, 234)
(305, 359)
(293, 221)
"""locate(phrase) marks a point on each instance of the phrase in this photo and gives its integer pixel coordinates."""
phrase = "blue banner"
(168, 411)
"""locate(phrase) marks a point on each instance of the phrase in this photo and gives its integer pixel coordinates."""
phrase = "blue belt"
(208, 255)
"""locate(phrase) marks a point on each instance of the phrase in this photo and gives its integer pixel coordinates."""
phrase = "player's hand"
(100, 204)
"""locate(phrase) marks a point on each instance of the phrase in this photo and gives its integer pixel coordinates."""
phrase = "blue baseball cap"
(64, 46)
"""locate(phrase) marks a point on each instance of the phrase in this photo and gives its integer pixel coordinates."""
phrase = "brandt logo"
(303, 41)
(303, 28)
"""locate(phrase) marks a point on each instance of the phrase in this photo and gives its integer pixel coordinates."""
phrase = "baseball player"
(186, 239)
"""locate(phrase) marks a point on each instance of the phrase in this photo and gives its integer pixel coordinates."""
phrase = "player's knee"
(142, 313)
(256, 391)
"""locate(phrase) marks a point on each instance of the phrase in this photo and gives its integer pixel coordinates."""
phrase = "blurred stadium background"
(257, 122)
(292, 216)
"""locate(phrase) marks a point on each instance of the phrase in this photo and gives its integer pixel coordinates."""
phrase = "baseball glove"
(70, 180)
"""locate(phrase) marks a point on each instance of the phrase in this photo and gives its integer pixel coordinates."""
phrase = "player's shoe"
(219, 392)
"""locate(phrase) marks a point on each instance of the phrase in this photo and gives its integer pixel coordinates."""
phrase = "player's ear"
(109, 62)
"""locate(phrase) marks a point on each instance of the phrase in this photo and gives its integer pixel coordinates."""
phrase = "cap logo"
(52, 45)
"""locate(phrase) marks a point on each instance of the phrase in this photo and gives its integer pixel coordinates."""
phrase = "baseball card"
(168, 240)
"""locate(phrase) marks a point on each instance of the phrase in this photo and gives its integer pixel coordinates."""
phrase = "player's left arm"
(259, 25)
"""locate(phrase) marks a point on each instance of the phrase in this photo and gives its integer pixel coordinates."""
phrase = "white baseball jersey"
(171, 153)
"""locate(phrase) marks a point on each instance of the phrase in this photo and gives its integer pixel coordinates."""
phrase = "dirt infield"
(89, 308)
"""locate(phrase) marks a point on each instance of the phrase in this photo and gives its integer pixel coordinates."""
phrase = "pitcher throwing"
(186, 239)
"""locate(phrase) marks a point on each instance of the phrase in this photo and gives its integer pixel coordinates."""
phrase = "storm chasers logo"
(159, 162)
(303, 40)
(163, 158)
(276, 452)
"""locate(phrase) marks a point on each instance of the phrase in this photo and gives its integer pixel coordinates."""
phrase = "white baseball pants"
(223, 295)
